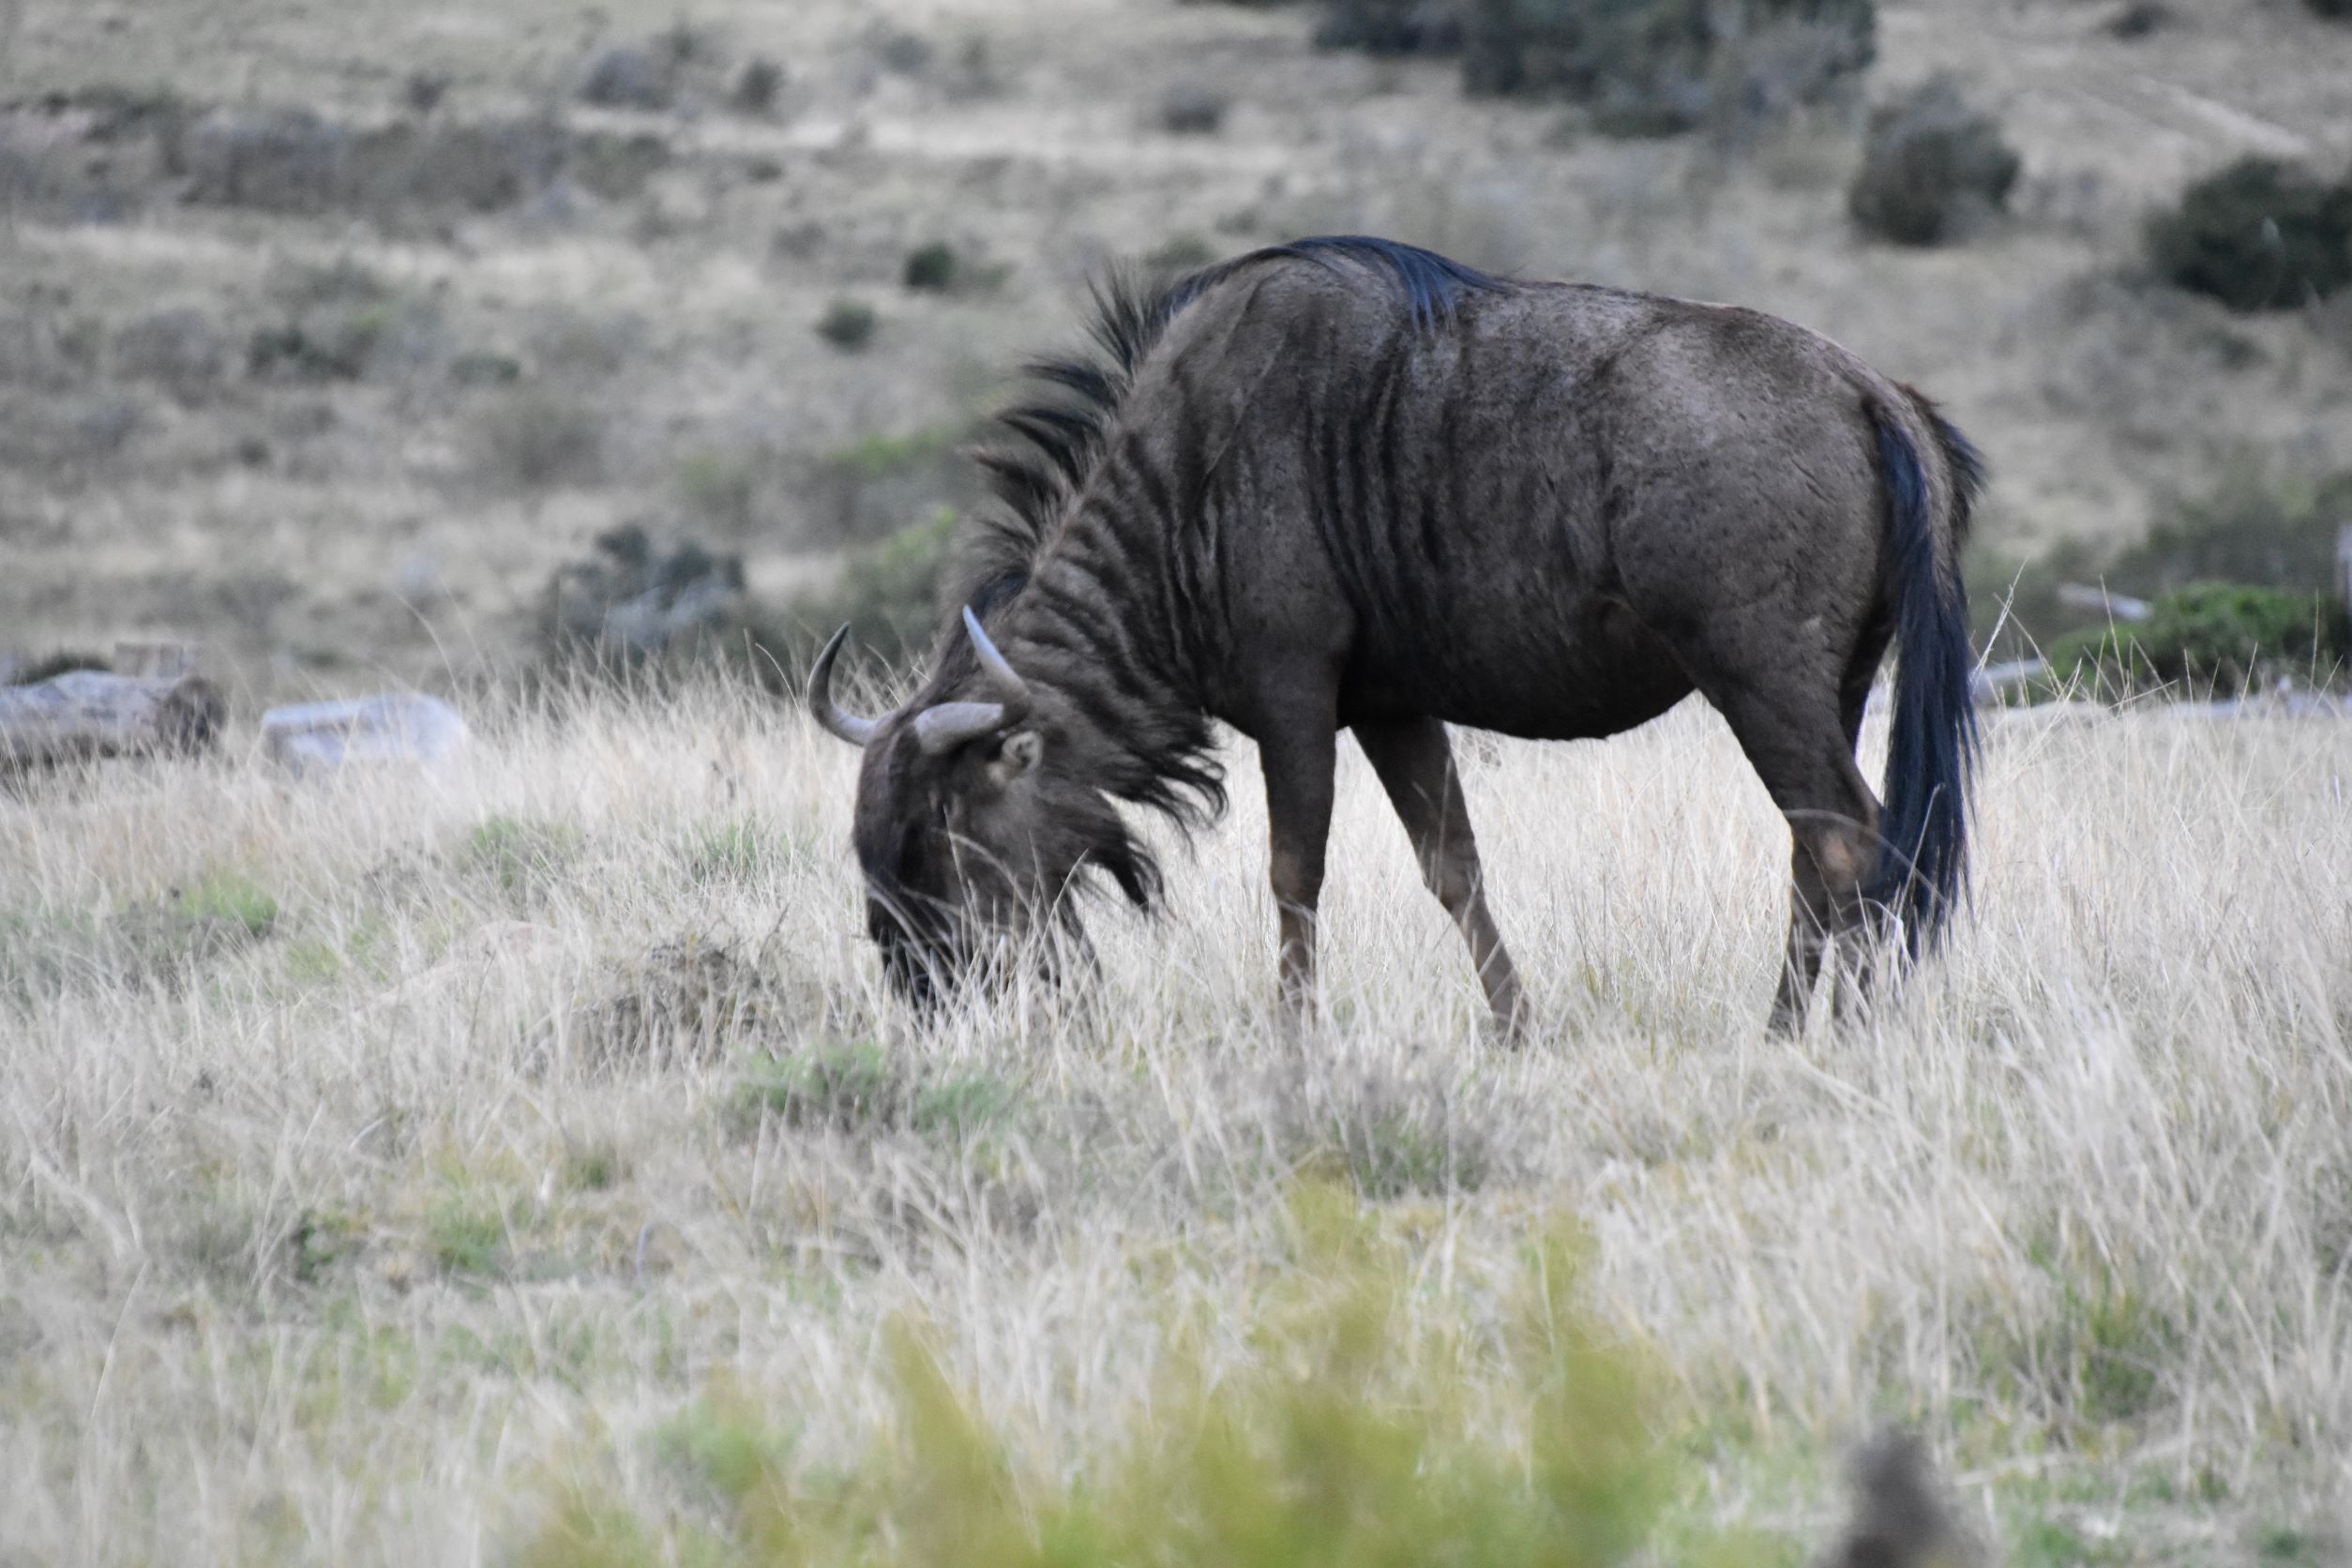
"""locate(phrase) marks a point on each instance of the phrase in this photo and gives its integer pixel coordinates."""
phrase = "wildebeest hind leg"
(1415, 762)
(1796, 741)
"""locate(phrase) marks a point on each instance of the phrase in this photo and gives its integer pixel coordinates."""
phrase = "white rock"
(398, 727)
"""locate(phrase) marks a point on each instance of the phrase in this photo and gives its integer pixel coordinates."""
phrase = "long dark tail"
(1923, 854)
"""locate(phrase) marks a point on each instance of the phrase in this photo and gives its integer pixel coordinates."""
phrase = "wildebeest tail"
(1931, 752)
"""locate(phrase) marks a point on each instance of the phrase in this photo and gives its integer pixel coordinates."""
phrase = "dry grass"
(550, 1093)
(524, 374)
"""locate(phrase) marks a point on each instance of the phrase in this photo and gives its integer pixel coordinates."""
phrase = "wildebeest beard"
(949, 918)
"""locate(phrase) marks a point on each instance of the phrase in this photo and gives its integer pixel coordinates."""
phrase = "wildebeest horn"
(1011, 689)
(850, 727)
(948, 725)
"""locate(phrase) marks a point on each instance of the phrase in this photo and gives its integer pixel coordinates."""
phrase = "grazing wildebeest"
(1345, 484)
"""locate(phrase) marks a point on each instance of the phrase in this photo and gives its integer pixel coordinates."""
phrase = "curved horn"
(1011, 689)
(850, 727)
(943, 728)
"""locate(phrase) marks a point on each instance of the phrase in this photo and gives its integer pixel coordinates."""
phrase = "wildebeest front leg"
(1298, 762)
(1415, 762)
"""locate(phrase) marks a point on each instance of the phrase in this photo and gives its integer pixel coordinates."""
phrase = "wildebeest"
(1346, 484)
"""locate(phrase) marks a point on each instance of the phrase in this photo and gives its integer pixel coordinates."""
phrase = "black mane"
(1061, 437)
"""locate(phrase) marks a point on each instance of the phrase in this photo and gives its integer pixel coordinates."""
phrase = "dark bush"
(905, 53)
(316, 352)
(2139, 18)
(932, 266)
(847, 324)
(1648, 67)
(1392, 26)
(2338, 10)
(757, 86)
(484, 367)
(630, 79)
(48, 666)
(2222, 637)
(421, 91)
(1191, 109)
(2258, 236)
(633, 600)
(287, 161)
(1930, 167)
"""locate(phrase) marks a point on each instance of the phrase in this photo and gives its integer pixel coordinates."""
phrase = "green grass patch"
(743, 850)
(321, 1238)
(860, 1089)
(1349, 1441)
(180, 931)
(882, 454)
(2217, 637)
(465, 1233)
(597, 1167)
(525, 856)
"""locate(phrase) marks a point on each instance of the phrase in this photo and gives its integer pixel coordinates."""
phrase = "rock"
(94, 713)
(398, 727)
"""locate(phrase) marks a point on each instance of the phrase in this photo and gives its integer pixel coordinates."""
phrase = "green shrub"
(847, 324)
(932, 267)
(2221, 637)
(1931, 164)
(2258, 236)
(1345, 1441)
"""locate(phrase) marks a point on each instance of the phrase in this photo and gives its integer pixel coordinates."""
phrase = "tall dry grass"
(383, 1158)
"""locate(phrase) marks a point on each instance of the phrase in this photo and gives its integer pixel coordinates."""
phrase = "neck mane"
(1071, 589)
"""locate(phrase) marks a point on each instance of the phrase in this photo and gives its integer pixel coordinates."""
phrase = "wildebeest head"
(974, 824)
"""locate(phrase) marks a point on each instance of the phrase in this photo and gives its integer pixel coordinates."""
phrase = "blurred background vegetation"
(618, 342)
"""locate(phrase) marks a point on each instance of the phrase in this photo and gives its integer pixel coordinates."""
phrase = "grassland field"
(520, 1162)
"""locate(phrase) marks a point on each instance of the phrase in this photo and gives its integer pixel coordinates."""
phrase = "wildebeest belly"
(1532, 658)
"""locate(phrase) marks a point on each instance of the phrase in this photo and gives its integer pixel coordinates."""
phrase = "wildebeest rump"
(1346, 484)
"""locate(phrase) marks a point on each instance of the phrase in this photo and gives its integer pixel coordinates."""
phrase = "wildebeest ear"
(1016, 756)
